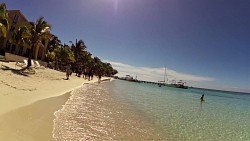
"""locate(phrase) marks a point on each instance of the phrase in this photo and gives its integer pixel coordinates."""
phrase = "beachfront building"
(17, 19)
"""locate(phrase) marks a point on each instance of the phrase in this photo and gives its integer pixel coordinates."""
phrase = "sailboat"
(180, 84)
(160, 83)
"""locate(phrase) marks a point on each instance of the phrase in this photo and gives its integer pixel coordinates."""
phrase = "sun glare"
(116, 5)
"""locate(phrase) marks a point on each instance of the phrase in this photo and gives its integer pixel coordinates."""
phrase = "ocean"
(121, 110)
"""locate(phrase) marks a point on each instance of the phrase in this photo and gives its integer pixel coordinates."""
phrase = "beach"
(46, 107)
(28, 101)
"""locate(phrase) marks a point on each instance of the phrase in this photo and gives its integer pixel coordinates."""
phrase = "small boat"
(180, 84)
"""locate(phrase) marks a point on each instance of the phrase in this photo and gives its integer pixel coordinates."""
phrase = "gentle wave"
(92, 113)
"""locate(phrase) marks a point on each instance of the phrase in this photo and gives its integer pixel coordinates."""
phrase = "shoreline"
(95, 113)
(28, 103)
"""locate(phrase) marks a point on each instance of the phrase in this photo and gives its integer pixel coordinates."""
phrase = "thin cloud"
(156, 74)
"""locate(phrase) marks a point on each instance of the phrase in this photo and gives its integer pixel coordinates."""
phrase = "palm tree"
(53, 43)
(50, 44)
(18, 38)
(63, 55)
(38, 31)
(47, 37)
(79, 49)
(97, 65)
(89, 61)
(102, 68)
(4, 24)
(114, 71)
(108, 68)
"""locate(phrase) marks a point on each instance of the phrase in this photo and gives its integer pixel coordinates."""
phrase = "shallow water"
(122, 110)
(93, 113)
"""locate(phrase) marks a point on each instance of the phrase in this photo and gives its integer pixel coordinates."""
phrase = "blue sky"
(205, 42)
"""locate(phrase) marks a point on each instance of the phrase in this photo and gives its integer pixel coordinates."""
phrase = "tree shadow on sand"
(24, 71)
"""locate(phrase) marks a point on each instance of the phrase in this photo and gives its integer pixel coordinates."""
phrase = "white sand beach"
(28, 101)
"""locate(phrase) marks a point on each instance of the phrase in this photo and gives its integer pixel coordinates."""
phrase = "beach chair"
(25, 62)
(19, 64)
(37, 65)
(22, 64)
(33, 64)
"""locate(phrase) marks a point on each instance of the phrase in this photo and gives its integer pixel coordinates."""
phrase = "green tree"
(98, 66)
(102, 68)
(63, 56)
(19, 37)
(4, 24)
(114, 72)
(53, 43)
(37, 32)
(79, 50)
(88, 61)
(46, 39)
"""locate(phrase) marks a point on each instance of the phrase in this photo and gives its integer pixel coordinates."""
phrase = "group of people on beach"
(87, 73)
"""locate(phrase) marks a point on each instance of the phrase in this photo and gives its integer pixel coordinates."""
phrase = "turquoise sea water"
(121, 110)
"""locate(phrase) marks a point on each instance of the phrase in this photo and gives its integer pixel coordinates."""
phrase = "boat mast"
(165, 74)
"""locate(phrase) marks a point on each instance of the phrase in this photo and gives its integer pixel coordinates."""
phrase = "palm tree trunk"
(29, 60)
(45, 49)
(36, 51)
(16, 49)
(30, 55)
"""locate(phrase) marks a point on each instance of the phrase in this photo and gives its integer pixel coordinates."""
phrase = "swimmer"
(202, 98)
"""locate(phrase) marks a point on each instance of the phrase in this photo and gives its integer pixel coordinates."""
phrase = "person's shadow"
(15, 71)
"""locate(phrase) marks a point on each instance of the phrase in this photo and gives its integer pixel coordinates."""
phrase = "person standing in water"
(202, 97)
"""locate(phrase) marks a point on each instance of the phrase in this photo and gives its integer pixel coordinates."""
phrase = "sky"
(203, 42)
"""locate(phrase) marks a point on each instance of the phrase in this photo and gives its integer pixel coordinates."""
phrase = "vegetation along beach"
(124, 70)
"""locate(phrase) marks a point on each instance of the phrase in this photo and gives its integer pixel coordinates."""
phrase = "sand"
(28, 101)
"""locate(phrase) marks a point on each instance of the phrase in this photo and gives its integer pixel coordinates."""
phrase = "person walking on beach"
(84, 73)
(90, 74)
(99, 78)
(68, 71)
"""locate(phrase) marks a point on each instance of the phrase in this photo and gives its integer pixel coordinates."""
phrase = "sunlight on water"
(93, 114)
